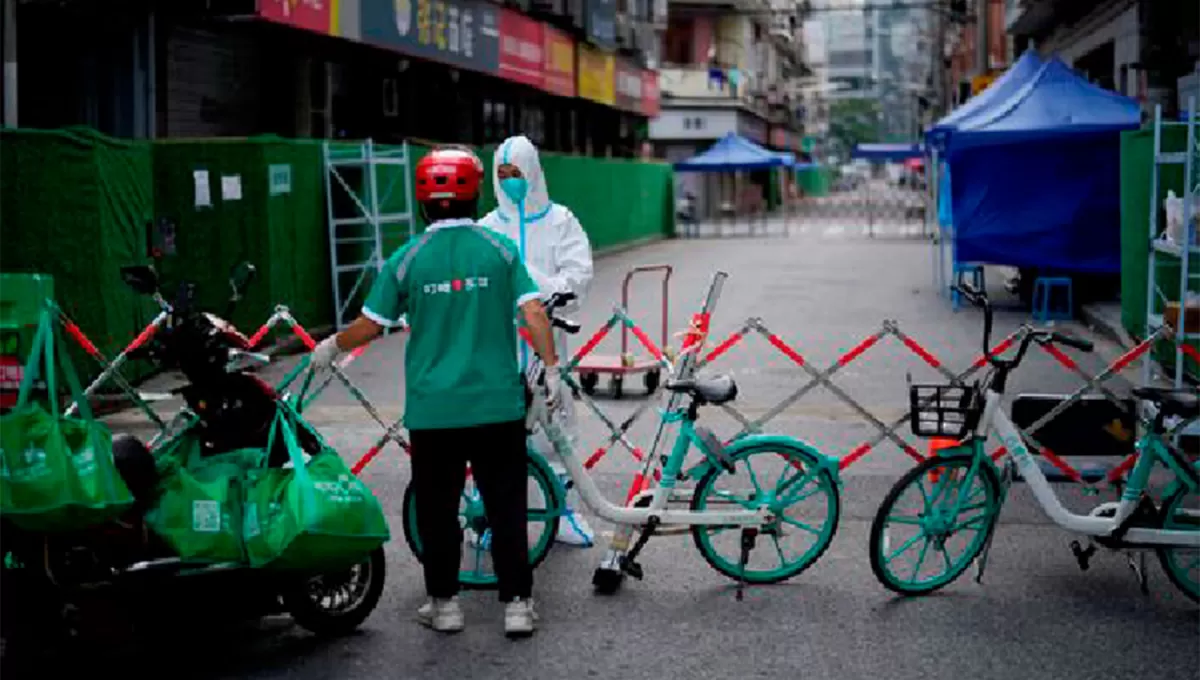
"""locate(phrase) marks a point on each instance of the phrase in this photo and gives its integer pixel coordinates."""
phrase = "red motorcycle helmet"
(449, 174)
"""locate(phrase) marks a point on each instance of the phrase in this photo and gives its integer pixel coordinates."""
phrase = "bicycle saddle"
(1173, 402)
(715, 390)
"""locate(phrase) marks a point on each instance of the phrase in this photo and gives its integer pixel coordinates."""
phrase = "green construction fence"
(74, 205)
(260, 199)
(77, 205)
(1137, 151)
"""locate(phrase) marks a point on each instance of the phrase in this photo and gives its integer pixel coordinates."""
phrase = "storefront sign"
(628, 86)
(693, 125)
(602, 22)
(521, 47)
(597, 76)
(311, 15)
(559, 69)
(463, 33)
(651, 100)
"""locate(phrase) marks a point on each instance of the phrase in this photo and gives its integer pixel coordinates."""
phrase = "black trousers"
(497, 456)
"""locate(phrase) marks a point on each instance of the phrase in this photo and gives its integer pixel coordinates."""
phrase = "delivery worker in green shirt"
(461, 287)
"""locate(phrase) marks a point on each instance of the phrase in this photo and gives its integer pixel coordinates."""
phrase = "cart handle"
(667, 271)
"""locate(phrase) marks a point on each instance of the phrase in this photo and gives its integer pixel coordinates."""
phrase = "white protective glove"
(325, 353)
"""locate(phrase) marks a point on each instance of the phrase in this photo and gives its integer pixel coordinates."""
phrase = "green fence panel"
(75, 204)
(617, 201)
(259, 199)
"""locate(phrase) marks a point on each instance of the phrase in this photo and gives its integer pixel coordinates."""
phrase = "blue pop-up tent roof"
(887, 152)
(733, 152)
(1053, 103)
(1008, 84)
(1036, 179)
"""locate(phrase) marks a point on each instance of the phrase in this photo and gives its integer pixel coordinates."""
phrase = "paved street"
(1036, 616)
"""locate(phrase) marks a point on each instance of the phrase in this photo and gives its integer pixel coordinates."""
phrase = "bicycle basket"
(944, 410)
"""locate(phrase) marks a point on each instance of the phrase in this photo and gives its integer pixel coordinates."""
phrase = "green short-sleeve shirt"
(460, 285)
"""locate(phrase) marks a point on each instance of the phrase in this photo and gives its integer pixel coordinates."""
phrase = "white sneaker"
(573, 530)
(444, 616)
(519, 618)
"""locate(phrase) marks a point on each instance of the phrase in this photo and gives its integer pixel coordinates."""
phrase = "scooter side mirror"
(240, 277)
(142, 278)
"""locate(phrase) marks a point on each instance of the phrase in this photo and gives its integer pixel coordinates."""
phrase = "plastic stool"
(1043, 291)
(961, 271)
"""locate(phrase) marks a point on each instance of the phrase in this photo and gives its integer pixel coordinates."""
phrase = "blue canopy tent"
(732, 153)
(997, 93)
(1036, 177)
(938, 137)
(888, 152)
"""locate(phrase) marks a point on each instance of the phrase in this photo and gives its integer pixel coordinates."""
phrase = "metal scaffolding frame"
(357, 240)
(1186, 254)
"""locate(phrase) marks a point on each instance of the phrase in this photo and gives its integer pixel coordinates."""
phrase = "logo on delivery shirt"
(455, 286)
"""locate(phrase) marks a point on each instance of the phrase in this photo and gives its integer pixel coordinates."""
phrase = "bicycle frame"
(672, 470)
(1151, 450)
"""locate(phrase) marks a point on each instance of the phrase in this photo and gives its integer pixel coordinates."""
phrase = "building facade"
(574, 75)
(1146, 49)
(728, 66)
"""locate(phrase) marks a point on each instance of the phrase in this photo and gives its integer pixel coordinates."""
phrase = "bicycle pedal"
(1083, 556)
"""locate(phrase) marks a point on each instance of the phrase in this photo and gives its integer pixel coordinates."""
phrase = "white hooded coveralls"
(553, 244)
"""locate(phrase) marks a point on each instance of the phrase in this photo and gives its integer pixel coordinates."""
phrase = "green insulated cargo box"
(74, 205)
(260, 199)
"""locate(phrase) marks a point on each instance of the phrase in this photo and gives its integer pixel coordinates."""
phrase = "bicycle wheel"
(804, 499)
(935, 523)
(476, 571)
(1181, 512)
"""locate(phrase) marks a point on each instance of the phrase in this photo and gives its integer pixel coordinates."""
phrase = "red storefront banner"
(311, 15)
(651, 99)
(559, 67)
(521, 49)
(628, 86)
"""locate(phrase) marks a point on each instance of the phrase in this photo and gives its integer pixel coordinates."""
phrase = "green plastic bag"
(313, 516)
(56, 473)
(199, 509)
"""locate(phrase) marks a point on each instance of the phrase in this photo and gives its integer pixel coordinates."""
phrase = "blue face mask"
(515, 188)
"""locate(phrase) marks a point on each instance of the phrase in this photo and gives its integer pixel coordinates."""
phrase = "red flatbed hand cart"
(618, 367)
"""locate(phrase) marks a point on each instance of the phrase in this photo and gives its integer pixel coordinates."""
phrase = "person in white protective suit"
(558, 256)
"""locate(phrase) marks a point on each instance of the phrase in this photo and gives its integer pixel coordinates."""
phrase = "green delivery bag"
(56, 473)
(316, 515)
(199, 509)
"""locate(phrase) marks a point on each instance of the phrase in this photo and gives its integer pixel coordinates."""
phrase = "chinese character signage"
(312, 15)
(521, 46)
(559, 69)
(628, 86)
(651, 100)
(602, 22)
(462, 33)
(597, 76)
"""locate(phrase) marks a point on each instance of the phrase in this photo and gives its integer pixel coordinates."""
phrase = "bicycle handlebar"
(1042, 337)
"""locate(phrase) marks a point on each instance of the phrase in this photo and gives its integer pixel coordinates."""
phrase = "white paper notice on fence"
(231, 187)
(203, 195)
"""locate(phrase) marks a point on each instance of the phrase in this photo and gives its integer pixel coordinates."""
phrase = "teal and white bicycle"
(957, 495)
(760, 510)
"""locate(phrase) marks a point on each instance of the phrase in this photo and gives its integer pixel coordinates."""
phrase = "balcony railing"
(694, 82)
